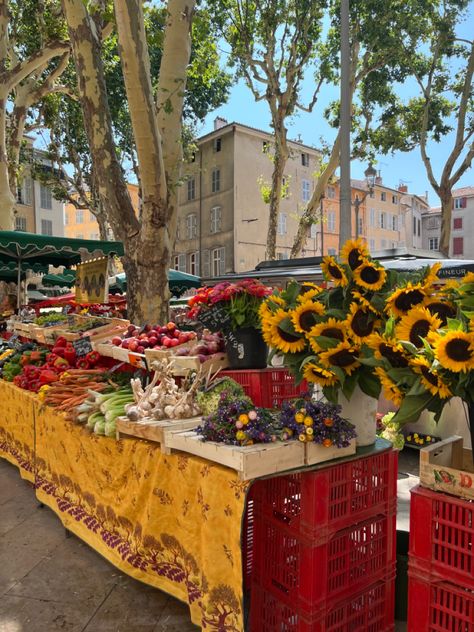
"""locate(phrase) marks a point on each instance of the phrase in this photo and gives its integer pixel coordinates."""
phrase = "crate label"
(137, 361)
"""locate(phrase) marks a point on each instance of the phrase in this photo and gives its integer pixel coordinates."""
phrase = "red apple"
(152, 341)
(166, 341)
(133, 345)
(117, 341)
(125, 343)
(174, 342)
(140, 349)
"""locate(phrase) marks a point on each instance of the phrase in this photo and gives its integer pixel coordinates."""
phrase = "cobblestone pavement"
(50, 583)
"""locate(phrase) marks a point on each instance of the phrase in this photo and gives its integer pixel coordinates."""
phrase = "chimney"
(219, 122)
(403, 188)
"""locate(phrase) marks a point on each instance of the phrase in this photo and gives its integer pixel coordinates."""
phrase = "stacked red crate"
(324, 549)
(441, 562)
(267, 388)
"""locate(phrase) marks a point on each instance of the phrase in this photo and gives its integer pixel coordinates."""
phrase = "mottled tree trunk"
(446, 215)
(279, 163)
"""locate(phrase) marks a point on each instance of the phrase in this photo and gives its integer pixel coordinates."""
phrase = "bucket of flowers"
(330, 335)
(233, 308)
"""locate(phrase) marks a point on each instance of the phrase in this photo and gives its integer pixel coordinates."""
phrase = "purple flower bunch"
(321, 422)
(238, 422)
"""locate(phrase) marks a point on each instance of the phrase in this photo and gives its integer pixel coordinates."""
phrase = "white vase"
(361, 411)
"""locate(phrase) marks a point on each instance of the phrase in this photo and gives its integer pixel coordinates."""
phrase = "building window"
(194, 263)
(306, 190)
(20, 223)
(216, 219)
(419, 227)
(180, 263)
(360, 226)
(46, 227)
(191, 226)
(458, 245)
(372, 217)
(382, 219)
(79, 217)
(383, 196)
(457, 223)
(394, 199)
(459, 203)
(305, 160)
(282, 217)
(433, 222)
(372, 244)
(191, 189)
(331, 215)
(433, 243)
(383, 244)
(313, 231)
(331, 193)
(216, 180)
(217, 144)
(414, 225)
(282, 256)
(394, 222)
(372, 194)
(46, 200)
(218, 262)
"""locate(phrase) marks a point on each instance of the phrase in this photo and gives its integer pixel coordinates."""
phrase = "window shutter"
(206, 263)
(463, 202)
(198, 269)
(222, 260)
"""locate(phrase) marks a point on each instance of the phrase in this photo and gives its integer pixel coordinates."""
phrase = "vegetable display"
(153, 337)
(99, 411)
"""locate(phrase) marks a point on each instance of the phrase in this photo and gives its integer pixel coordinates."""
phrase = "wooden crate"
(316, 453)
(163, 352)
(154, 430)
(250, 461)
(182, 365)
(104, 348)
(448, 467)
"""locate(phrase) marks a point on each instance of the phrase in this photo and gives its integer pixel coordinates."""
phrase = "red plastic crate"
(318, 503)
(306, 575)
(442, 536)
(268, 388)
(368, 611)
(248, 526)
(438, 606)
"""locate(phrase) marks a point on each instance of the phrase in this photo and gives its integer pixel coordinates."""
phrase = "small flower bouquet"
(318, 422)
(238, 422)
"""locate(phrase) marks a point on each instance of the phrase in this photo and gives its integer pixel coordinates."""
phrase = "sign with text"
(82, 346)
(92, 281)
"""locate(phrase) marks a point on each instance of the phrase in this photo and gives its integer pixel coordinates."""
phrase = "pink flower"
(252, 415)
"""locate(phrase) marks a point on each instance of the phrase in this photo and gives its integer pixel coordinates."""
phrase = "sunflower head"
(431, 276)
(430, 378)
(334, 272)
(416, 325)
(304, 316)
(344, 356)
(279, 332)
(268, 307)
(354, 252)
(388, 349)
(314, 373)
(310, 294)
(390, 389)
(455, 350)
(331, 328)
(370, 276)
(361, 322)
(468, 278)
(403, 299)
(441, 309)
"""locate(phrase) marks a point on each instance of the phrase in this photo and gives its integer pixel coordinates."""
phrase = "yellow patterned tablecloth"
(173, 522)
(17, 428)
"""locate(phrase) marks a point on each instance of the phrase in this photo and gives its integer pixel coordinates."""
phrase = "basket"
(308, 576)
(268, 388)
(442, 536)
(318, 503)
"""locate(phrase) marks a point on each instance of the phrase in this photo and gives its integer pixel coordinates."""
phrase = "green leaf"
(402, 375)
(370, 361)
(327, 343)
(336, 313)
(349, 385)
(411, 408)
(417, 389)
(341, 374)
(454, 324)
(369, 384)
(331, 393)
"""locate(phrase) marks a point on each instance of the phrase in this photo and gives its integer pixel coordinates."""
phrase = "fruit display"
(50, 319)
(138, 339)
(88, 324)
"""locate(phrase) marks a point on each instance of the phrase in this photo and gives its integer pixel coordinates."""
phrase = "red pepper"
(60, 342)
(61, 362)
(51, 357)
(82, 363)
(70, 354)
(47, 376)
(93, 357)
(59, 351)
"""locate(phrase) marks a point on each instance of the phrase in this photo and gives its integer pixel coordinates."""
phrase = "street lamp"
(370, 175)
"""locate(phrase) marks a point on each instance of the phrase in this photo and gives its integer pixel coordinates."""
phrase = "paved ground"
(51, 583)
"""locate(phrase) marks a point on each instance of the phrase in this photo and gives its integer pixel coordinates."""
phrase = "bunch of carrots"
(73, 388)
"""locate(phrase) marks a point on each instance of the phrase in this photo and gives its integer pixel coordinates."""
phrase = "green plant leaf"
(327, 343)
(411, 408)
(369, 384)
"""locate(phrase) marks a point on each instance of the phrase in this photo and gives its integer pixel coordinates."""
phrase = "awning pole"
(18, 302)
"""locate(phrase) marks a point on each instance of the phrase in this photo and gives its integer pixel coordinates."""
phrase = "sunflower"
(468, 278)
(430, 378)
(441, 309)
(432, 274)
(269, 306)
(417, 324)
(314, 373)
(370, 276)
(390, 388)
(334, 272)
(309, 293)
(388, 349)
(455, 350)
(332, 328)
(343, 356)
(364, 300)
(276, 335)
(403, 299)
(449, 286)
(303, 317)
(354, 252)
(360, 321)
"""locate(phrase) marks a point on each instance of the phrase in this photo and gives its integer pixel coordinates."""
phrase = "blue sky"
(398, 168)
